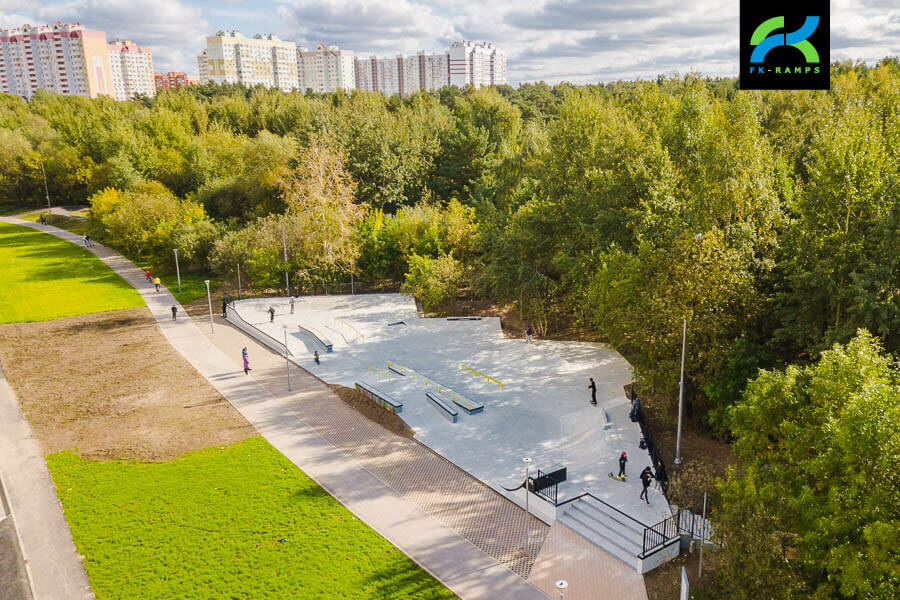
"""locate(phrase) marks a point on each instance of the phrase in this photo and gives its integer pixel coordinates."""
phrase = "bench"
(470, 406)
(316, 334)
(443, 408)
(379, 397)
(463, 318)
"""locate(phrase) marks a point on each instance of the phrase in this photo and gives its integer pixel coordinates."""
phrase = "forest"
(768, 220)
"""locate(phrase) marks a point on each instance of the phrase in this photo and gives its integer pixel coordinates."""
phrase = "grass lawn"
(45, 278)
(79, 226)
(239, 521)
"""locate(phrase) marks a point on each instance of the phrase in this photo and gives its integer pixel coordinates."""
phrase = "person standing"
(246, 361)
(224, 308)
(174, 311)
(646, 477)
(528, 333)
(316, 356)
(292, 305)
(622, 460)
(593, 388)
(660, 477)
(43, 220)
(156, 282)
(271, 314)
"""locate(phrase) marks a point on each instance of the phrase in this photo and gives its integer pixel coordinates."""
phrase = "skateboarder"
(593, 388)
(174, 311)
(246, 360)
(622, 460)
(156, 282)
(292, 305)
(316, 357)
(528, 333)
(646, 476)
(271, 314)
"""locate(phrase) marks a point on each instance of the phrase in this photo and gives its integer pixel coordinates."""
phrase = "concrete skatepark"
(535, 397)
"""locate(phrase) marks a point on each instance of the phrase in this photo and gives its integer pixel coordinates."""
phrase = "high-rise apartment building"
(476, 63)
(173, 80)
(203, 66)
(326, 69)
(260, 60)
(131, 67)
(65, 58)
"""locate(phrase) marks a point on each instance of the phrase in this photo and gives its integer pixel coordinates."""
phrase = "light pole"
(287, 283)
(239, 280)
(527, 461)
(561, 585)
(681, 394)
(209, 299)
(177, 269)
(46, 190)
(287, 363)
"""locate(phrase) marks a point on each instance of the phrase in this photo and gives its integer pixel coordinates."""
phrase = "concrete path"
(46, 542)
(466, 570)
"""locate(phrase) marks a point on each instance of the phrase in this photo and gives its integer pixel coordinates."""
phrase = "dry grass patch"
(110, 386)
(372, 411)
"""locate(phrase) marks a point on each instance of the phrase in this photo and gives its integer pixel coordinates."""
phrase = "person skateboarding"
(174, 311)
(528, 335)
(271, 314)
(593, 388)
(292, 305)
(646, 477)
(316, 357)
(622, 460)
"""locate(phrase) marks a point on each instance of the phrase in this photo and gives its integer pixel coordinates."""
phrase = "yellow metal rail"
(482, 375)
(344, 323)
(380, 372)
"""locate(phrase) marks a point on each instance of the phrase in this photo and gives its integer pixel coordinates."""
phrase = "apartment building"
(65, 58)
(173, 80)
(203, 66)
(263, 59)
(326, 69)
(476, 63)
(131, 67)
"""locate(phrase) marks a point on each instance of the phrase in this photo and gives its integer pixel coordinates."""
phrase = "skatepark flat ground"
(542, 410)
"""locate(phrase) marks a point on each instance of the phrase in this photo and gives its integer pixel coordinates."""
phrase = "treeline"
(767, 220)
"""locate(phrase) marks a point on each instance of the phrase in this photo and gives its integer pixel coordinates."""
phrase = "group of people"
(647, 477)
(86, 240)
(156, 282)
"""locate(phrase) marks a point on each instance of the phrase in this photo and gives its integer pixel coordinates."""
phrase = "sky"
(580, 41)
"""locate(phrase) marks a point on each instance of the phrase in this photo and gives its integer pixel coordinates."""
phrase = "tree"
(815, 513)
(433, 280)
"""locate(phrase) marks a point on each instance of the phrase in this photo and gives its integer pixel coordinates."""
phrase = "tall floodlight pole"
(287, 283)
(681, 394)
(702, 531)
(239, 280)
(46, 190)
(527, 462)
(561, 585)
(287, 363)
(177, 270)
(352, 289)
(209, 299)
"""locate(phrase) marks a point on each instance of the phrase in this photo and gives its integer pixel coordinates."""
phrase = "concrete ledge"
(463, 318)
(670, 550)
(379, 397)
(443, 408)
(316, 334)
(470, 406)
(607, 422)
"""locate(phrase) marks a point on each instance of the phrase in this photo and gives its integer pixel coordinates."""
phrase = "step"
(599, 540)
(608, 529)
(600, 512)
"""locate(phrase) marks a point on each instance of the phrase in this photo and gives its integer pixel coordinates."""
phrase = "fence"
(383, 286)
(652, 448)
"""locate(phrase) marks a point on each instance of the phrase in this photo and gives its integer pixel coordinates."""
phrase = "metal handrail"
(489, 378)
(231, 310)
(564, 502)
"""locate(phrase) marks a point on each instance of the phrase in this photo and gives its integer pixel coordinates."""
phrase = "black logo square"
(785, 49)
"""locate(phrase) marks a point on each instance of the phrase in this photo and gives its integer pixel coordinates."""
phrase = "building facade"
(477, 64)
(260, 60)
(64, 58)
(326, 69)
(131, 67)
(173, 80)
(203, 66)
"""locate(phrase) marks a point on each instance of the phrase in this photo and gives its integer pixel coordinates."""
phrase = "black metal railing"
(694, 526)
(657, 536)
(550, 492)
(652, 449)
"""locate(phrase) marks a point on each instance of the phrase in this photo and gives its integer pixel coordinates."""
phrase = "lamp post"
(287, 363)
(561, 585)
(239, 280)
(46, 190)
(177, 269)
(527, 461)
(681, 394)
(287, 283)
(209, 299)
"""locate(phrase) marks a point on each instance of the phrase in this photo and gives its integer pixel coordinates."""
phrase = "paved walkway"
(46, 542)
(460, 565)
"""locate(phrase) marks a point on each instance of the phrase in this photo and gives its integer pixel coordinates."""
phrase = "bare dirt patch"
(373, 411)
(110, 386)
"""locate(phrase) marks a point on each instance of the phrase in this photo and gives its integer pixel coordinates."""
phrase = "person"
(622, 460)
(90, 242)
(292, 305)
(85, 240)
(593, 388)
(224, 308)
(316, 356)
(660, 477)
(246, 360)
(147, 275)
(271, 314)
(43, 220)
(646, 476)
(174, 311)
(156, 282)
(528, 333)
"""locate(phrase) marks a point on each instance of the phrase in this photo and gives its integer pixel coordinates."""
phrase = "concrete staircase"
(605, 527)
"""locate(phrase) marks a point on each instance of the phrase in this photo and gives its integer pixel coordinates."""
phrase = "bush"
(433, 280)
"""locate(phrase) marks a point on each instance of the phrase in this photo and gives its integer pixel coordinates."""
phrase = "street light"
(527, 462)
(46, 190)
(239, 280)
(561, 585)
(177, 270)
(287, 363)
(697, 237)
(287, 283)
(209, 299)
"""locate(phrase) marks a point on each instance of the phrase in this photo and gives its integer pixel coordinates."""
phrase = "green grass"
(232, 522)
(79, 226)
(44, 277)
(192, 286)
